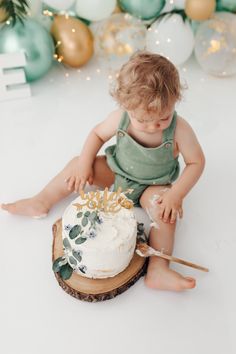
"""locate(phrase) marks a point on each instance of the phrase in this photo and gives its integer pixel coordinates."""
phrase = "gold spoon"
(144, 250)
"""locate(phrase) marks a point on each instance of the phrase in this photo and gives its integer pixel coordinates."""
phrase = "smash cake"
(99, 234)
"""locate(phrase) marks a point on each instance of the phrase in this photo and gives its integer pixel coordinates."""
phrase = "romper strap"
(124, 122)
(168, 133)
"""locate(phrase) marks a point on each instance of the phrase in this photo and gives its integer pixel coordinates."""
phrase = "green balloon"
(143, 9)
(32, 39)
(226, 5)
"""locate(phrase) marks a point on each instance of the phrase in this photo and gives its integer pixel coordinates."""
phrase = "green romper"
(138, 167)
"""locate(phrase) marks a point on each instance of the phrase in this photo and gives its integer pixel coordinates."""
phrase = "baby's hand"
(170, 204)
(80, 175)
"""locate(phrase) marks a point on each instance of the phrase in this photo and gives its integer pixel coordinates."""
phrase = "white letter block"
(12, 77)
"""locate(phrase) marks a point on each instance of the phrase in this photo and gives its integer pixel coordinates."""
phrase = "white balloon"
(59, 4)
(179, 4)
(95, 10)
(173, 4)
(171, 37)
(35, 7)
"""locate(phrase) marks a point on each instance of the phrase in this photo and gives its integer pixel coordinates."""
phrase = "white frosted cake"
(99, 232)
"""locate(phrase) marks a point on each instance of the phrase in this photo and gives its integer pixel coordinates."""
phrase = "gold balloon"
(3, 15)
(74, 40)
(200, 10)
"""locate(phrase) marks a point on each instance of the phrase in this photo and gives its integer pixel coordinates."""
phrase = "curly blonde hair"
(148, 81)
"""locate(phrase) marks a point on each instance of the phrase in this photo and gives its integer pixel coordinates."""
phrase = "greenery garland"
(16, 9)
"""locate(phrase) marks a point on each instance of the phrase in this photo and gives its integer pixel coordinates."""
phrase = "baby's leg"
(39, 205)
(161, 237)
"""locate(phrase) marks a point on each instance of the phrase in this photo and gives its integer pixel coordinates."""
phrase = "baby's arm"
(101, 133)
(190, 149)
(193, 156)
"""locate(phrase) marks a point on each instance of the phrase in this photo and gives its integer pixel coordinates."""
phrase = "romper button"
(167, 145)
(120, 134)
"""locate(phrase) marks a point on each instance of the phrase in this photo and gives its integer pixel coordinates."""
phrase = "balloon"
(200, 10)
(117, 38)
(59, 4)
(174, 4)
(143, 9)
(171, 37)
(35, 7)
(32, 39)
(95, 10)
(3, 15)
(215, 44)
(74, 40)
(227, 5)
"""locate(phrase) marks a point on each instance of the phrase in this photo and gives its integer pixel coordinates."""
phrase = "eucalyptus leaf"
(75, 231)
(80, 240)
(58, 263)
(77, 255)
(72, 260)
(84, 221)
(66, 244)
(87, 213)
(66, 271)
(79, 214)
(93, 215)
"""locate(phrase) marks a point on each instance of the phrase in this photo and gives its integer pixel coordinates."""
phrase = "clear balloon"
(171, 37)
(59, 4)
(143, 9)
(32, 39)
(95, 10)
(117, 38)
(215, 45)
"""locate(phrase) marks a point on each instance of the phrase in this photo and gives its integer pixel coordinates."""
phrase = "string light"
(47, 13)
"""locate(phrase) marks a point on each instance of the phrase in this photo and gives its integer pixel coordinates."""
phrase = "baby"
(149, 138)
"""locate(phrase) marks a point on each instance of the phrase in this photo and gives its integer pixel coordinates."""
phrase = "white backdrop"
(38, 136)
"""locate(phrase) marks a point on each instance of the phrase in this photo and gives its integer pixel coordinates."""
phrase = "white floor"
(37, 137)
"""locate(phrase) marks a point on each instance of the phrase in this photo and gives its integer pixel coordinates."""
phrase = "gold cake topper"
(108, 203)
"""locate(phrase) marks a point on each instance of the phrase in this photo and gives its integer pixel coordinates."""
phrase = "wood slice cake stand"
(93, 290)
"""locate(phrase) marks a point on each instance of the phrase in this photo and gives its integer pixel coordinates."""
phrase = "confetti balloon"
(171, 37)
(215, 46)
(32, 39)
(74, 40)
(199, 10)
(117, 38)
(143, 9)
(95, 10)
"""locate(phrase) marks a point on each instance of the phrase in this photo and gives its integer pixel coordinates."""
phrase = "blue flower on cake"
(68, 227)
(91, 233)
(83, 268)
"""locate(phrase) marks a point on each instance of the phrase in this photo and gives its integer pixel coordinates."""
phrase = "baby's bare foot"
(33, 207)
(160, 276)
